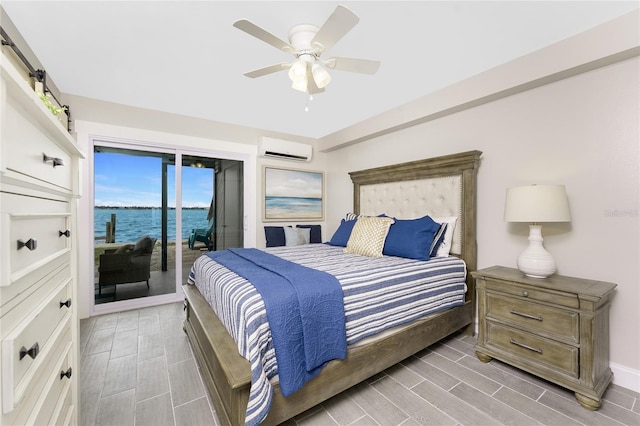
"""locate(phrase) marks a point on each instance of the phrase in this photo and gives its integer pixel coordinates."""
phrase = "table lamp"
(535, 204)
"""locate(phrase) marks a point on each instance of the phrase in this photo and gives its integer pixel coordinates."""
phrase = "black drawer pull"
(33, 351)
(55, 161)
(522, 314)
(31, 244)
(66, 374)
(66, 303)
(66, 233)
(522, 345)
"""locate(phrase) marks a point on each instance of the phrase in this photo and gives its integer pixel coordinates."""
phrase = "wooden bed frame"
(227, 375)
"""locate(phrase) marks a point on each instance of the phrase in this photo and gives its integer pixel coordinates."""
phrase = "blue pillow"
(342, 234)
(274, 236)
(411, 238)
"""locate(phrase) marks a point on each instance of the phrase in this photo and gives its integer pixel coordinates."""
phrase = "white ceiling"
(185, 57)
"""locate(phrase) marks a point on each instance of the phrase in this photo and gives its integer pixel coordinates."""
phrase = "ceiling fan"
(308, 71)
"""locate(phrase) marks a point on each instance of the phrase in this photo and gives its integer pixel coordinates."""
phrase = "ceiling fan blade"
(267, 70)
(264, 35)
(362, 66)
(312, 87)
(336, 26)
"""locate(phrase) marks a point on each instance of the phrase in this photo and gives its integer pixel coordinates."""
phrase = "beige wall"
(581, 132)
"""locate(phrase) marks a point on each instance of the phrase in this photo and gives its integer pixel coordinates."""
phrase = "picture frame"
(292, 194)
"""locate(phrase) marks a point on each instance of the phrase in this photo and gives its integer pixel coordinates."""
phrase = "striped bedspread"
(379, 293)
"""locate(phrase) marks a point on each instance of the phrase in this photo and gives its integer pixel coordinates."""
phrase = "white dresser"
(39, 187)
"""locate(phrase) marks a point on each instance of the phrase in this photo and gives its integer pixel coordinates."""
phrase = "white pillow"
(304, 235)
(296, 236)
(445, 247)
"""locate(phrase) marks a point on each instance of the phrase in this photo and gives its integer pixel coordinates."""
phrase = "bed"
(441, 187)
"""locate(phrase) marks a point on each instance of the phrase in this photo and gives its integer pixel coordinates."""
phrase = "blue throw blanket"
(305, 308)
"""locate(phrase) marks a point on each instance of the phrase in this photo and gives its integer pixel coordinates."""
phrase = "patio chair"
(130, 263)
(204, 235)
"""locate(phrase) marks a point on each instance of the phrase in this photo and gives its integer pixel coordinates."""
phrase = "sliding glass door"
(152, 220)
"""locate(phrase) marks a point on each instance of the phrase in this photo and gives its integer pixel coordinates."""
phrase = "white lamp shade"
(300, 84)
(320, 75)
(537, 203)
(298, 71)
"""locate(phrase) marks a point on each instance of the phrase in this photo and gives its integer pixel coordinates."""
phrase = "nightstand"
(556, 328)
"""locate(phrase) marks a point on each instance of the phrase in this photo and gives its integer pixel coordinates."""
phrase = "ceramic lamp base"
(535, 261)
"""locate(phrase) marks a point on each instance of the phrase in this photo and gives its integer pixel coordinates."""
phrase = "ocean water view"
(294, 207)
(132, 223)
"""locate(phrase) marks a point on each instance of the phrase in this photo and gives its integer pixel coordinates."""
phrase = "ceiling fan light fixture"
(308, 72)
(298, 71)
(320, 75)
(300, 84)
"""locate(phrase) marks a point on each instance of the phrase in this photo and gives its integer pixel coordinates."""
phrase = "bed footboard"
(227, 375)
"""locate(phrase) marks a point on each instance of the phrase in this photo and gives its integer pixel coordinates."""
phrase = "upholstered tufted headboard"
(440, 186)
(437, 197)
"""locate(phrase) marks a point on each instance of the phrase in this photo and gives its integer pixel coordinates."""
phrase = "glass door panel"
(134, 224)
(198, 209)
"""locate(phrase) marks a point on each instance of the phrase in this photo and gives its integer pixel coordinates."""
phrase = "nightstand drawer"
(534, 317)
(529, 348)
(565, 299)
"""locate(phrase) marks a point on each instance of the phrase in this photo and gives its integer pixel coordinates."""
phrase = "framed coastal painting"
(293, 194)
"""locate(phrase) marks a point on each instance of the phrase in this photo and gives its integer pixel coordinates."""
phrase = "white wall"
(581, 132)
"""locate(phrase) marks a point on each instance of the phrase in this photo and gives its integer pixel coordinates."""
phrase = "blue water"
(293, 206)
(131, 224)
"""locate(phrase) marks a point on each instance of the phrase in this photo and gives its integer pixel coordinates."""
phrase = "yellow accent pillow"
(368, 236)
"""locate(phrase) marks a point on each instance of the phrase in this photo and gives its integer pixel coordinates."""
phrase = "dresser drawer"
(528, 348)
(37, 231)
(53, 405)
(25, 349)
(37, 285)
(26, 145)
(534, 317)
(565, 299)
(42, 390)
(64, 412)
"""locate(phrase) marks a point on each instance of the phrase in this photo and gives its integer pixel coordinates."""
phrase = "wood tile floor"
(137, 368)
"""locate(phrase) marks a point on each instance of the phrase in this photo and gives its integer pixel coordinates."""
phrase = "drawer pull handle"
(66, 233)
(55, 161)
(66, 303)
(33, 351)
(31, 244)
(522, 314)
(522, 345)
(66, 374)
(525, 294)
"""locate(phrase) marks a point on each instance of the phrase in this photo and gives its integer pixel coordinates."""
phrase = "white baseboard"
(625, 377)
(140, 302)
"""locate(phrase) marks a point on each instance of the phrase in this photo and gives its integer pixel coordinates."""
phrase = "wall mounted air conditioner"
(284, 150)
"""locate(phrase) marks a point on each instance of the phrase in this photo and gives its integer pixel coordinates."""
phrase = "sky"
(292, 183)
(127, 180)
